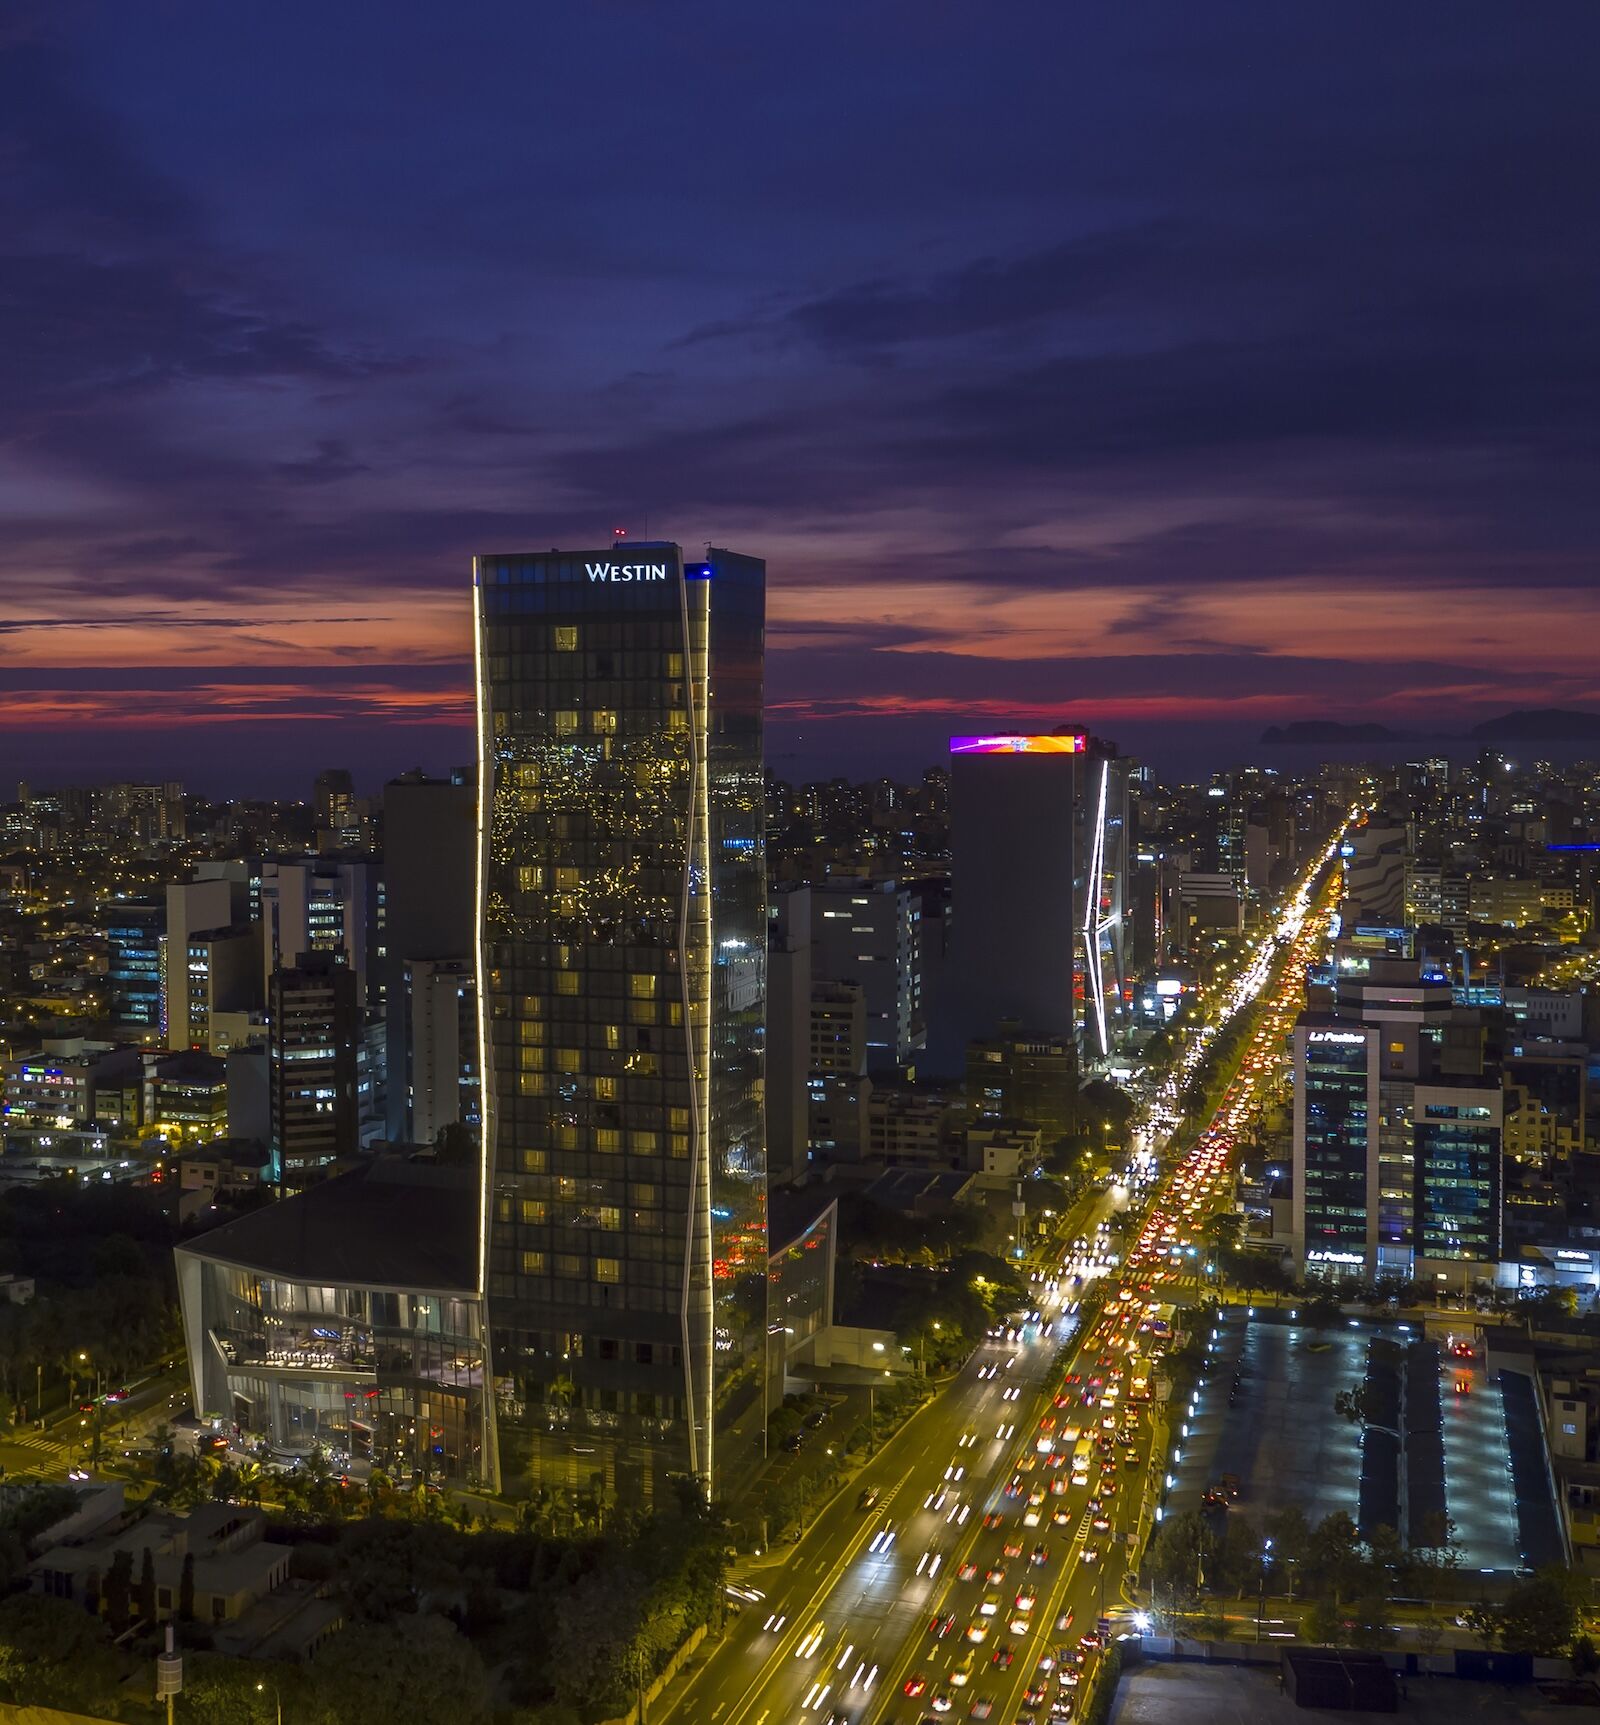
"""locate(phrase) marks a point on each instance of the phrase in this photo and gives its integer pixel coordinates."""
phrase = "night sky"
(1166, 369)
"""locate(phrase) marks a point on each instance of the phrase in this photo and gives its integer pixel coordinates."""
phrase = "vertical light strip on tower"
(1091, 909)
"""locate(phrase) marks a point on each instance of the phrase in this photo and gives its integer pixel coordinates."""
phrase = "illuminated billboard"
(1073, 743)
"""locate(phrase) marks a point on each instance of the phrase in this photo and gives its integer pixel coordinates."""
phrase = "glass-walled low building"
(347, 1319)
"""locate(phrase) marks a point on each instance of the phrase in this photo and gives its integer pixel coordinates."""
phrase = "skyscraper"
(1039, 863)
(622, 910)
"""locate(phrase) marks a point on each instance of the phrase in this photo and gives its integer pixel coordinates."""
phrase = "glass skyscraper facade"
(622, 912)
(134, 933)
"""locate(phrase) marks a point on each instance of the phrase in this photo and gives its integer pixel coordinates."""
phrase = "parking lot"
(1281, 1436)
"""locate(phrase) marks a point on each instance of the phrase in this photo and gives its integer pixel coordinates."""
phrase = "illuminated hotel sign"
(626, 571)
(1346, 1038)
(1335, 1257)
(1075, 743)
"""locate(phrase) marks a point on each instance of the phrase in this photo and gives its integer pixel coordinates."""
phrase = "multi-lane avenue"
(980, 1555)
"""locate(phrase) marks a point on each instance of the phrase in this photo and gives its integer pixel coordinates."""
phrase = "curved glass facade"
(623, 930)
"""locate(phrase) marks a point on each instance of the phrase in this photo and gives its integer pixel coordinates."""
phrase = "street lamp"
(1261, 1595)
(277, 1699)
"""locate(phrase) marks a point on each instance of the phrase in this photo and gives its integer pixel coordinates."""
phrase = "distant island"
(1330, 731)
(1526, 725)
(1539, 725)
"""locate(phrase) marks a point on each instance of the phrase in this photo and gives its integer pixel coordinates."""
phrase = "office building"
(1398, 1129)
(622, 972)
(788, 1035)
(1032, 1080)
(135, 931)
(1039, 863)
(313, 1030)
(195, 909)
(441, 1048)
(333, 804)
(325, 905)
(867, 934)
(430, 891)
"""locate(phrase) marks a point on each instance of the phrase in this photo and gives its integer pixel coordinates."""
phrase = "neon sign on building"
(1073, 743)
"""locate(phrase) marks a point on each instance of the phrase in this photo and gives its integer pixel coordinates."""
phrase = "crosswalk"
(46, 1446)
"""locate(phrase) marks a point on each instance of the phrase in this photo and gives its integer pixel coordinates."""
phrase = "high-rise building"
(314, 1027)
(1397, 1128)
(199, 912)
(430, 850)
(135, 932)
(622, 988)
(333, 802)
(867, 933)
(325, 904)
(1039, 864)
(441, 1048)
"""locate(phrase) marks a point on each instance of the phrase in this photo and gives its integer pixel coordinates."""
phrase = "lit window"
(607, 1140)
(643, 1143)
(569, 1060)
(567, 880)
(566, 982)
(613, 1036)
(566, 639)
(608, 1269)
(606, 1089)
(533, 1263)
(534, 1210)
(566, 722)
(530, 1083)
(533, 1161)
(530, 1059)
(610, 1218)
(603, 722)
(642, 986)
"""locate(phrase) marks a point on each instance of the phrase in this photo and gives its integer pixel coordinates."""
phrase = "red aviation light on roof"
(1071, 743)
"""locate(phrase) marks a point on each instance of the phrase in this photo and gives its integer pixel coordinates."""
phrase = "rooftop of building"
(791, 1210)
(913, 1188)
(387, 1223)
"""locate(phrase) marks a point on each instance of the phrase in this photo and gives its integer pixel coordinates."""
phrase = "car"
(795, 1442)
(977, 1630)
(993, 1520)
(968, 1571)
(942, 1702)
(961, 1675)
(1013, 1548)
(915, 1684)
(1092, 1640)
(1026, 1599)
(1101, 1524)
(1034, 1695)
(981, 1708)
(817, 1417)
(1091, 1554)
(941, 1626)
(996, 1574)
(1040, 1555)
(990, 1606)
(1003, 1655)
(868, 1497)
(1019, 1625)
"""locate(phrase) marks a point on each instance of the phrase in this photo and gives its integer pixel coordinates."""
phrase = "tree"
(423, 1670)
(1179, 1563)
(119, 1592)
(1334, 1558)
(1430, 1631)
(1325, 1623)
(147, 1587)
(1541, 1615)
(54, 1654)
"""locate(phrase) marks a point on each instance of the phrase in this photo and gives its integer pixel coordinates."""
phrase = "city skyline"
(1230, 374)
